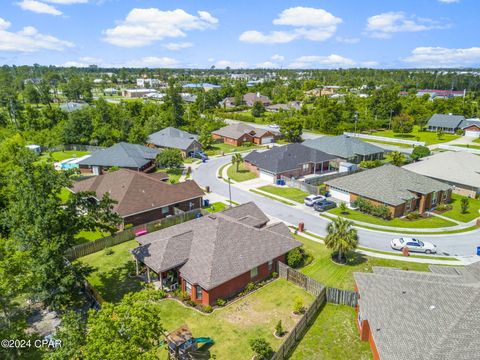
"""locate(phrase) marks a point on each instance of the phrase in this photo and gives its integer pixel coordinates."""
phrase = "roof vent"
(432, 307)
(404, 292)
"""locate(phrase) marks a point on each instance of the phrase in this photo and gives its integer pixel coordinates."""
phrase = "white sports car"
(413, 245)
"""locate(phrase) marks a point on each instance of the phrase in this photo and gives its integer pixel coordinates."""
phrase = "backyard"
(429, 137)
(243, 174)
(63, 155)
(333, 336)
(456, 214)
(286, 192)
(174, 174)
(430, 222)
(87, 236)
(216, 207)
(325, 271)
(219, 148)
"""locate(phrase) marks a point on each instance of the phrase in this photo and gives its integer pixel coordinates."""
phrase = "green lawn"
(218, 148)
(286, 192)
(87, 236)
(63, 155)
(271, 197)
(325, 271)
(242, 174)
(428, 137)
(431, 222)
(477, 141)
(174, 174)
(388, 143)
(232, 327)
(333, 336)
(110, 273)
(190, 160)
(216, 207)
(468, 146)
(456, 214)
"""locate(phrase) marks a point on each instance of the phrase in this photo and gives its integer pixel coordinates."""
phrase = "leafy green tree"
(396, 158)
(402, 124)
(31, 94)
(131, 329)
(420, 152)
(292, 129)
(296, 257)
(440, 134)
(71, 332)
(237, 159)
(298, 306)
(262, 349)
(341, 237)
(169, 158)
(174, 104)
(78, 128)
(464, 204)
(279, 328)
(258, 109)
(137, 134)
(205, 138)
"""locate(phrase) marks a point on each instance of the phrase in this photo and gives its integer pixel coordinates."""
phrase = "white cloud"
(308, 23)
(177, 46)
(153, 62)
(382, 26)
(369, 64)
(347, 40)
(449, 1)
(314, 61)
(39, 7)
(444, 57)
(66, 2)
(84, 61)
(222, 64)
(145, 26)
(277, 57)
(267, 65)
(28, 40)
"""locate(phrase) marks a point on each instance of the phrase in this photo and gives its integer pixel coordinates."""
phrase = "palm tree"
(237, 160)
(341, 237)
(397, 158)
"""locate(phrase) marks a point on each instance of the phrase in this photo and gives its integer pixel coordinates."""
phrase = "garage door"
(267, 176)
(267, 140)
(340, 195)
(471, 133)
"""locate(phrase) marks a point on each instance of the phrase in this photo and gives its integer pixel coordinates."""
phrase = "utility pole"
(355, 116)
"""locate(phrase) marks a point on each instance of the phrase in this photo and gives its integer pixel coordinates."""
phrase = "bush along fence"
(322, 296)
(75, 147)
(129, 234)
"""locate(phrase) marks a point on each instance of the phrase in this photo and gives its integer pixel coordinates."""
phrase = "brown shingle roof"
(221, 248)
(136, 192)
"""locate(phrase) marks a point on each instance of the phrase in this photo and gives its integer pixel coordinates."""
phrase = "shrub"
(443, 207)
(261, 348)
(207, 309)
(279, 329)
(413, 215)
(185, 296)
(459, 132)
(464, 204)
(296, 257)
(108, 251)
(249, 288)
(170, 158)
(191, 303)
(221, 302)
(370, 164)
(127, 226)
(367, 207)
(298, 307)
(274, 274)
(343, 208)
(420, 152)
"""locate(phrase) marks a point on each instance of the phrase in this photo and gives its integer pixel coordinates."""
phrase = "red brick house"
(142, 198)
(240, 133)
(217, 255)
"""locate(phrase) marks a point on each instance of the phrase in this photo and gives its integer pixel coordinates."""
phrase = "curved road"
(462, 244)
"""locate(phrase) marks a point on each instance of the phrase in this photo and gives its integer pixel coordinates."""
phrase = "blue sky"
(239, 34)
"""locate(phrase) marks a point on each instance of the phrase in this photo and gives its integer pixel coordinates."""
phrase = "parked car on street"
(312, 199)
(413, 245)
(274, 126)
(324, 205)
(200, 155)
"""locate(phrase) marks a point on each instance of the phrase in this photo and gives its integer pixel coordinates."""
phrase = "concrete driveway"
(462, 244)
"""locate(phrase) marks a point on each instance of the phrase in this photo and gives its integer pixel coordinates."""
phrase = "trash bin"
(478, 250)
(207, 189)
(206, 202)
(301, 226)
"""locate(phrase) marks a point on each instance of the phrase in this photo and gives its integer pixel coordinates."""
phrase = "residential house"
(292, 105)
(323, 91)
(441, 94)
(142, 198)
(401, 190)
(251, 98)
(229, 102)
(137, 93)
(350, 149)
(411, 315)
(216, 256)
(446, 123)
(204, 86)
(292, 160)
(459, 169)
(239, 133)
(173, 138)
(123, 155)
(471, 128)
(72, 106)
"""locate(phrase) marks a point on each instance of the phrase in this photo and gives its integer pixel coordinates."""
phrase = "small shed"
(180, 343)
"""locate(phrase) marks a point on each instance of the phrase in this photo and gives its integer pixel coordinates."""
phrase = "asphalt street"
(461, 244)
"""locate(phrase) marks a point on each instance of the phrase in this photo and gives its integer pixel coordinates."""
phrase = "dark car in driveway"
(324, 205)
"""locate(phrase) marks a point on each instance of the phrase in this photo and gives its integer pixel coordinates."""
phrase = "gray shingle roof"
(288, 157)
(446, 121)
(122, 155)
(388, 184)
(343, 146)
(221, 248)
(173, 138)
(458, 167)
(236, 131)
(420, 317)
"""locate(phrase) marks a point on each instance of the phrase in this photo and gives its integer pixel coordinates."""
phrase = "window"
(254, 272)
(188, 288)
(165, 210)
(434, 198)
(198, 292)
(305, 167)
(270, 265)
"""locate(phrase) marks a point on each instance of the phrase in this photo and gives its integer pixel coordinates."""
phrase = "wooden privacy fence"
(342, 297)
(128, 234)
(311, 286)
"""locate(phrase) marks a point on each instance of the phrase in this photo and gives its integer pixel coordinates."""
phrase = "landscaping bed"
(456, 214)
(333, 336)
(243, 174)
(428, 223)
(294, 194)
